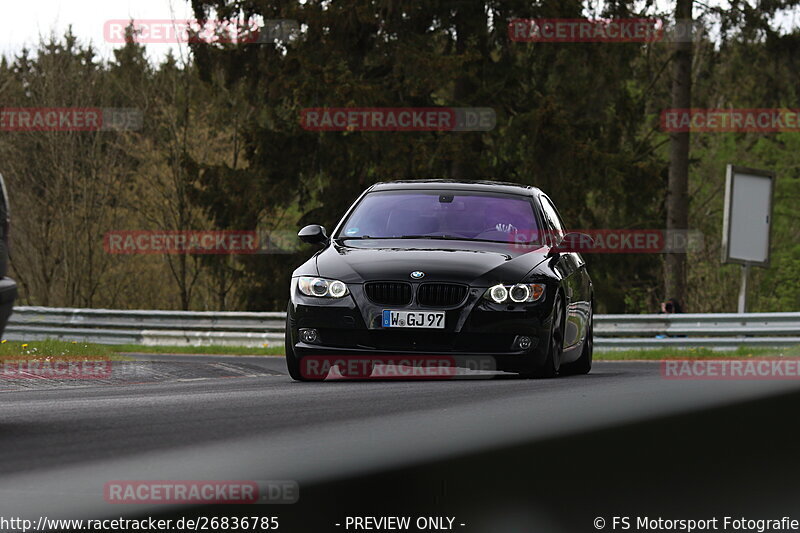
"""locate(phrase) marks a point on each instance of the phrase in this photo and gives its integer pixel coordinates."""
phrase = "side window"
(552, 217)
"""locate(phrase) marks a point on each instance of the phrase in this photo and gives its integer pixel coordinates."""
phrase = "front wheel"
(292, 364)
(583, 365)
(552, 363)
(292, 361)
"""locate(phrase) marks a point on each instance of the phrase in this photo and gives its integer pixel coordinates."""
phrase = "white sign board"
(748, 216)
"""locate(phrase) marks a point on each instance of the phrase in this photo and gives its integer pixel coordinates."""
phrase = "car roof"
(463, 185)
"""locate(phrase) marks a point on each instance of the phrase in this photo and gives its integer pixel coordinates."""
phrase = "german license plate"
(413, 319)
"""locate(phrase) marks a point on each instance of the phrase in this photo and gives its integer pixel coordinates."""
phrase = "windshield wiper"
(441, 238)
(346, 238)
(438, 237)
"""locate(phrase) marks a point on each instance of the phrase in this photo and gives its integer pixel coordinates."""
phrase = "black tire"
(584, 363)
(4, 223)
(292, 362)
(552, 363)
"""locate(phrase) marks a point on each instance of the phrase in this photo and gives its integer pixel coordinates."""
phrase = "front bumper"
(353, 326)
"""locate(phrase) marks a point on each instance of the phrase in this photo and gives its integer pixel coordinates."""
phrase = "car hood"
(482, 264)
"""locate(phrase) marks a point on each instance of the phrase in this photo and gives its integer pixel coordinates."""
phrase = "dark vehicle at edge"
(8, 287)
(444, 268)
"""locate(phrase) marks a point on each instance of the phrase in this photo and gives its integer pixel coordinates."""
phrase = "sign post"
(747, 221)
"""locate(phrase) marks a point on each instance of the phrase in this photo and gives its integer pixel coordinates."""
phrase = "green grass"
(67, 349)
(215, 350)
(658, 354)
(54, 349)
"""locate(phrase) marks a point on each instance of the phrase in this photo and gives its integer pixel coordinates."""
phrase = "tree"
(678, 186)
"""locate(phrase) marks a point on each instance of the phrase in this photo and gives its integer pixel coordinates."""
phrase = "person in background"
(669, 307)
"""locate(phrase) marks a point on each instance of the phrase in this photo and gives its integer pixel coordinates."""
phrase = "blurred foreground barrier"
(204, 328)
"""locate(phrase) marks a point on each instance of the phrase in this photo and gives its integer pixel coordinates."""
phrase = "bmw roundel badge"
(417, 274)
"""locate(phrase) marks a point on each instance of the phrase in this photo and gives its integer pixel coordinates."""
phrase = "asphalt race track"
(620, 441)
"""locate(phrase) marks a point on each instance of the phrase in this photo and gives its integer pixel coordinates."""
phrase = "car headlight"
(321, 287)
(498, 293)
(519, 293)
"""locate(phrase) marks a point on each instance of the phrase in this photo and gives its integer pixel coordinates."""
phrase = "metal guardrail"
(150, 328)
(190, 328)
(710, 330)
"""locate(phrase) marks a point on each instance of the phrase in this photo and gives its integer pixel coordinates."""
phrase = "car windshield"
(442, 214)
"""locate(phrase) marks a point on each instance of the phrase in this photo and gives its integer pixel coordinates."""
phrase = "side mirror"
(313, 234)
(572, 242)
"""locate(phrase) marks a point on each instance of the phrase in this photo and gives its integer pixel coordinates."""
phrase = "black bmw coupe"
(442, 270)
